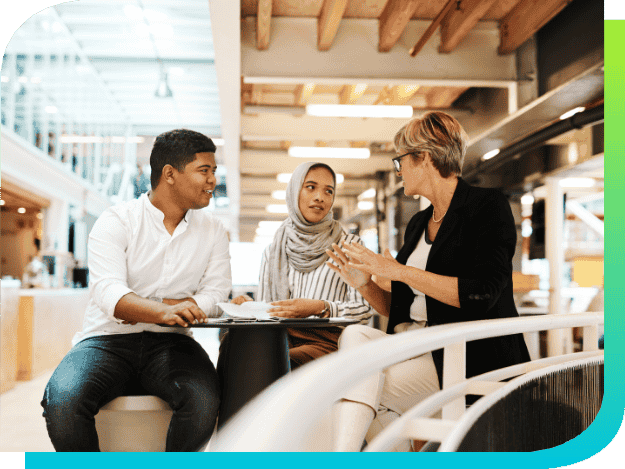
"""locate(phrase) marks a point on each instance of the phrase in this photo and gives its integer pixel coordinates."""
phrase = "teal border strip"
(595, 438)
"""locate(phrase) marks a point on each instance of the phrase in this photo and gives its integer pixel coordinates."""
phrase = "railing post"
(454, 372)
(591, 338)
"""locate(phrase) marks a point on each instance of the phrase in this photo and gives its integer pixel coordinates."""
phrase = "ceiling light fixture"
(527, 199)
(359, 110)
(279, 195)
(2, 202)
(163, 90)
(365, 205)
(368, 194)
(219, 142)
(490, 154)
(277, 208)
(572, 112)
(21, 210)
(329, 152)
(51, 109)
(577, 182)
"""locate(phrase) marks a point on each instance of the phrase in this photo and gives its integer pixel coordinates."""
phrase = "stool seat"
(133, 423)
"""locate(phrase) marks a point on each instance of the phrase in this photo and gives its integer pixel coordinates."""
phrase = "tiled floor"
(23, 429)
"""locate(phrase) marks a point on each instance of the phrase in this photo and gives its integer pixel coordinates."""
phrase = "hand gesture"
(183, 314)
(368, 261)
(297, 308)
(353, 277)
(239, 300)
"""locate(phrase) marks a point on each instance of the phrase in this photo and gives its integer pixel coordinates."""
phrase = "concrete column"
(554, 228)
(56, 223)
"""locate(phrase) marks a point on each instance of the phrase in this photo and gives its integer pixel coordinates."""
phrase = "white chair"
(133, 423)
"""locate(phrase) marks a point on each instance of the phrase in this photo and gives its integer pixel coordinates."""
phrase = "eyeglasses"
(397, 161)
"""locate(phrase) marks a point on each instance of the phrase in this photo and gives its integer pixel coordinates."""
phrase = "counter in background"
(8, 339)
(48, 320)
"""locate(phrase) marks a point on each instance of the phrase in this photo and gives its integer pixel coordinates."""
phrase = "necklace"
(440, 219)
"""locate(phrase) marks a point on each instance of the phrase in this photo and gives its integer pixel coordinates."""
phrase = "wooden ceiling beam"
(329, 20)
(524, 20)
(401, 94)
(263, 24)
(430, 31)
(303, 93)
(393, 21)
(350, 94)
(257, 94)
(459, 21)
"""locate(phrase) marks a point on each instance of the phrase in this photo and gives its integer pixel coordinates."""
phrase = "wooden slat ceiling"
(518, 20)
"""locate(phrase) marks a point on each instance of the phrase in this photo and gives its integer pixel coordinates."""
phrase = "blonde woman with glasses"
(455, 265)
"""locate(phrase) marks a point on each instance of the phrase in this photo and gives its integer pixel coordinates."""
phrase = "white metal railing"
(282, 417)
(416, 423)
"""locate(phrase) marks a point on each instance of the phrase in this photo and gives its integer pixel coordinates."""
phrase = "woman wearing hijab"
(294, 276)
(455, 265)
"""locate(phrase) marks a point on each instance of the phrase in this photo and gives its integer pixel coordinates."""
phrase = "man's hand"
(353, 277)
(239, 300)
(297, 308)
(182, 314)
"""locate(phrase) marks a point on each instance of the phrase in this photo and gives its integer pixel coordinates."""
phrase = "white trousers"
(394, 390)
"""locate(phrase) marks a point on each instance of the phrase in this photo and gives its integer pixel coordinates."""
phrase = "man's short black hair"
(177, 148)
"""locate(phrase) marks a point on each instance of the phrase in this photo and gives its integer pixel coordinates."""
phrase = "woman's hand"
(353, 277)
(297, 308)
(368, 261)
(239, 300)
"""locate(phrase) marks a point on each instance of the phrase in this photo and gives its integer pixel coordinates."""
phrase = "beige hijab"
(298, 243)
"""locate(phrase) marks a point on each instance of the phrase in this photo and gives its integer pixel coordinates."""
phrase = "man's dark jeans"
(171, 366)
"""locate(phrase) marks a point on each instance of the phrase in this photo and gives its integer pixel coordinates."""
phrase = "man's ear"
(168, 174)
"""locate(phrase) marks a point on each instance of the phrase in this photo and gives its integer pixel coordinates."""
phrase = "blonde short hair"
(438, 134)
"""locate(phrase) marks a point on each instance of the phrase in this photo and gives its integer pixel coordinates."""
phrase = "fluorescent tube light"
(572, 112)
(365, 205)
(577, 182)
(329, 152)
(275, 208)
(359, 110)
(490, 154)
(279, 195)
(368, 194)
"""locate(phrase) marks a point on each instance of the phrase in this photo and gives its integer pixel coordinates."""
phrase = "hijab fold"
(297, 243)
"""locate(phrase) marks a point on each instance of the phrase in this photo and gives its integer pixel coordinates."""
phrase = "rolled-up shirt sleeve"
(216, 282)
(108, 276)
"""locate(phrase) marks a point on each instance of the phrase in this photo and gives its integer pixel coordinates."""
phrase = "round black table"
(257, 355)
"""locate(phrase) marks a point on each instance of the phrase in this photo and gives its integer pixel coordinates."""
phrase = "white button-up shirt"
(130, 250)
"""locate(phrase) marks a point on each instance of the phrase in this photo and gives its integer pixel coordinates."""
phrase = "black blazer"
(476, 242)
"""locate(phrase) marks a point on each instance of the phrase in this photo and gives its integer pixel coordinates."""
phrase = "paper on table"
(247, 310)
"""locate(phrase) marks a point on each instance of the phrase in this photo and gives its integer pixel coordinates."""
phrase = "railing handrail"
(276, 419)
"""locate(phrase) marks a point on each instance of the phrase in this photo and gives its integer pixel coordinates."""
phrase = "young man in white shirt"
(154, 260)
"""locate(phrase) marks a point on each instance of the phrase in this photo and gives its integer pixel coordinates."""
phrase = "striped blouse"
(324, 284)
